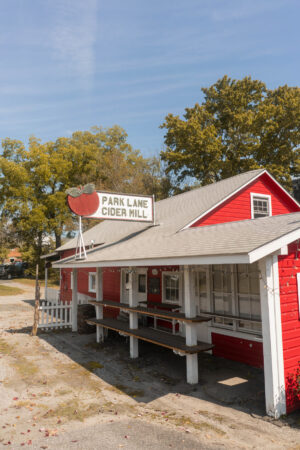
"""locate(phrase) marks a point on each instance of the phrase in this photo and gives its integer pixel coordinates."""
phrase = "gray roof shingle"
(171, 213)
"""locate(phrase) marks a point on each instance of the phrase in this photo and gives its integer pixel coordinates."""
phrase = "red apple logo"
(83, 201)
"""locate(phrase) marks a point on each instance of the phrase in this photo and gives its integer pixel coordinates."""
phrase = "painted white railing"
(52, 295)
(55, 315)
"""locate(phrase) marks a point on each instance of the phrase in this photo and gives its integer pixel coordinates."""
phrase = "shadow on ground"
(159, 372)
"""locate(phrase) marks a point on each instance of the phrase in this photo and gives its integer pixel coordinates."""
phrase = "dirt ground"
(59, 385)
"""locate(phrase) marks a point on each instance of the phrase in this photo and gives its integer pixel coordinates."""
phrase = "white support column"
(133, 319)
(99, 298)
(272, 337)
(46, 280)
(74, 301)
(190, 329)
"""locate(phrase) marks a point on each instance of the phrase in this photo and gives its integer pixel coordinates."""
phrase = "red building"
(216, 272)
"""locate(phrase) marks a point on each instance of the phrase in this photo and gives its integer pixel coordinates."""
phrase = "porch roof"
(235, 242)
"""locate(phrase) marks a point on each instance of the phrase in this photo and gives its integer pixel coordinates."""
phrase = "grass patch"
(73, 410)
(25, 369)
(5, 349)
(131, 392)
(201, 426)
(91, 366)
(31, 282)
(62, 391)
(9, 290)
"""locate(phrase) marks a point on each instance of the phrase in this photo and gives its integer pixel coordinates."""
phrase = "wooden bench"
(173, 342)
(159, 313)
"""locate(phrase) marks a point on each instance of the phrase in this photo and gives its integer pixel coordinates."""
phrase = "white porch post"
(46, 280)
(190, 329)
(99, 298)
(74, 301)
(272, 337)
(133, 319)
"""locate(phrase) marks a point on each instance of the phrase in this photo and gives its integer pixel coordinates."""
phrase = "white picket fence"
(55, 315)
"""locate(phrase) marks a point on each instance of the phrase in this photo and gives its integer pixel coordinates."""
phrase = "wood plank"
(168, 340)
(180, 317)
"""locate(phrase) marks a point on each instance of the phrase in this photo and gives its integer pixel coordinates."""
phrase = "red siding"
(237, 349)
(238, 207)
(111, 286)
(288, 267)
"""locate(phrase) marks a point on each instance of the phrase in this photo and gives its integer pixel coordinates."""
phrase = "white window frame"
(71, 281)
(262, 196)
(171, 273)
(91, 275)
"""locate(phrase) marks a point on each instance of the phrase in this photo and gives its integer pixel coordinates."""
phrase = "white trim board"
(274, 245)
(233, 333)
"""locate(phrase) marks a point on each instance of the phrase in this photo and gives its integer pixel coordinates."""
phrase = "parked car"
(12, 270)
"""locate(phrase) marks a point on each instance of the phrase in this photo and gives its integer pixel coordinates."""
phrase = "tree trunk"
(57, 240)
(37, 303)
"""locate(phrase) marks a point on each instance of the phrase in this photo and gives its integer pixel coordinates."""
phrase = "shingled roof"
(169, 242)
(232, 242)
(172, 213)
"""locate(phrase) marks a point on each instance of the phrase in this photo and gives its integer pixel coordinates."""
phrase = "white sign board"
(138, 208)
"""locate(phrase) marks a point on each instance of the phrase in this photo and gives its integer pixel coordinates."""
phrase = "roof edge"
(273, 246)
(236, 258)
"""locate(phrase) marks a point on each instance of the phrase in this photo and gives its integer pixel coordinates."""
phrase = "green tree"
(33, 180)
(241, 125)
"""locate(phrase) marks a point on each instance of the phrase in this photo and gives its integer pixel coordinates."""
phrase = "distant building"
(13, 255)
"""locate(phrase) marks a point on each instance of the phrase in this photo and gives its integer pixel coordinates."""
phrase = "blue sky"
(67, 65)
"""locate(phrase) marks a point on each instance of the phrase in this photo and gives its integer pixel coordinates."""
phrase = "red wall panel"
(237, 349)
(288, 267)
(238, 207)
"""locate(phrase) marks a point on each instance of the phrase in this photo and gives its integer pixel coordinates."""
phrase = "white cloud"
(74, 35)
(244, 9)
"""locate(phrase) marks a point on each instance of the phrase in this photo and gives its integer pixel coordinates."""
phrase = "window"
(92, 282)
(248, 296)
(142, 283)
(171, 287)
(260, 205)
(232, 293)
(201, 287)
(222, 293)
